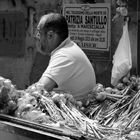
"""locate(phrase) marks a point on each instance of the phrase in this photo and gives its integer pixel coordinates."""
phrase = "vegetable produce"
(121, 108)
(101, 96)
(110, 113)
(8, 96)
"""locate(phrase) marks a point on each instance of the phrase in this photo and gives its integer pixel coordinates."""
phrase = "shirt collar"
(66, 41)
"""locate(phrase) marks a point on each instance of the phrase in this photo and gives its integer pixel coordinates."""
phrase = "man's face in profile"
(42, 42)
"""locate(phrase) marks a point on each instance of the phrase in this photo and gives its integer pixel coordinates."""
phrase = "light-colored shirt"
(70, 68)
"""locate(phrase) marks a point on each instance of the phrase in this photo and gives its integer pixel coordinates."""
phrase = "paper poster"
(89, 26)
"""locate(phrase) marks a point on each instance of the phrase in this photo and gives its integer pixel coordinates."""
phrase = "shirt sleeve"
(60, 69)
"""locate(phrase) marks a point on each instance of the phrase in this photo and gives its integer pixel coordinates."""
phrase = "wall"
(18, 69)
(28, 69)
(103, 68)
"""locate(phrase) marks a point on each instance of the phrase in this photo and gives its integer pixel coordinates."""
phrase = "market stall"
(16, 128)
(28, 114)
(51, 112)
(33, 114)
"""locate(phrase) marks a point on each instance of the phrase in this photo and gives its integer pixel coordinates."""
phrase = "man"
(69, 68)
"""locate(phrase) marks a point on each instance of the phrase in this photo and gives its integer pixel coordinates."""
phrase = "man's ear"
(50, 34)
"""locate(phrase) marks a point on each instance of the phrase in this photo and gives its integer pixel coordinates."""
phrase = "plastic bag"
(122, 62)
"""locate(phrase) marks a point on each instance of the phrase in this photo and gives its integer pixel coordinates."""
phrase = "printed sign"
(89, 27)
(12, 34)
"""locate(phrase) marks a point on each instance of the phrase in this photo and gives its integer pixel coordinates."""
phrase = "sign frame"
(90, 27)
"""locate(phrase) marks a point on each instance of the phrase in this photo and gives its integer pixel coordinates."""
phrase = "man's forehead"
(42, 22)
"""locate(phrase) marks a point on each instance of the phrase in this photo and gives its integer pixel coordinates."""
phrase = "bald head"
(55, 22)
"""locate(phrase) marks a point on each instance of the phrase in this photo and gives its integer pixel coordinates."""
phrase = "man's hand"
(47, 83)
(33, 87)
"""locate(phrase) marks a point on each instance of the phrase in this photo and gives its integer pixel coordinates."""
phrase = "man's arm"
(58, 71)
(47, 83)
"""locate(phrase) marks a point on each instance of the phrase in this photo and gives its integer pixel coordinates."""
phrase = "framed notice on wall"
(12, 34)
(89, 27)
